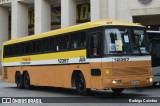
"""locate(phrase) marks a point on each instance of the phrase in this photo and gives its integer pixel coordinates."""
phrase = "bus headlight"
(149, 80)
(117, 82)
(114, 82)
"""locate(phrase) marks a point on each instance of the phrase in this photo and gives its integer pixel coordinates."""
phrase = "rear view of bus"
(154, 46)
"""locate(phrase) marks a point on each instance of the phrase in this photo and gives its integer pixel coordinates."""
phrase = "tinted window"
(27, 48)
(78, 40)
(48, 44)
(62, 42)
(95, 44)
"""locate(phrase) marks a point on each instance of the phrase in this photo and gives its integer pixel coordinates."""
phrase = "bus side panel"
(62, 76)
(42, 75)
(107, 73)
(9, 74)
(96, 81)
(55, 75)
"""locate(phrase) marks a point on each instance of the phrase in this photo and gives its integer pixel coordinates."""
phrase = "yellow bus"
(103, 54)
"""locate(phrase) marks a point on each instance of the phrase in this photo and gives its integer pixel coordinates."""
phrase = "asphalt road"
(10, 90)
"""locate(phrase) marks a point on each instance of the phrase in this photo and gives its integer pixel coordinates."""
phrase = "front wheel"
(81, 84)
(117, 90)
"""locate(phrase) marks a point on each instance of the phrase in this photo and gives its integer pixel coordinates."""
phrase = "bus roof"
(93, 24)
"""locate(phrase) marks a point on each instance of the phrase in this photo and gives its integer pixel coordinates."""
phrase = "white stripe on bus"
(77, 61)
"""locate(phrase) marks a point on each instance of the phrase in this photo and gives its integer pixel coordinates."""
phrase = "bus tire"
(81, 84)
(117, 90)
(27, 81)
(19, 80)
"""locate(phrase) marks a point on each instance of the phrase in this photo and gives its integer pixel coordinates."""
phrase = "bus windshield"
(125, 41)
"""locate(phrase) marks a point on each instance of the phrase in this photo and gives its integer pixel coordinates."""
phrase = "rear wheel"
(27, 81)
(117, 90)
(19, 80)
(81, 84)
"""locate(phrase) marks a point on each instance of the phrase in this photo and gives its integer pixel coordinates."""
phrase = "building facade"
(20, 18)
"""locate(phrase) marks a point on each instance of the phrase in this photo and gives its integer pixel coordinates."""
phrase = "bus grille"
(130, 71)
(5, 76)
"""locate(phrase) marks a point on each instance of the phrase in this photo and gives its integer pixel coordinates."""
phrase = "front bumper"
(131, 82)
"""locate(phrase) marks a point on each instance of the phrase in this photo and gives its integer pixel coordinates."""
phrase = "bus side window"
(57, 43)
(78, 40)
(95, 44)
(74, 41)
(48, 44)
(82, 40)
(62, 42)
(27, 48)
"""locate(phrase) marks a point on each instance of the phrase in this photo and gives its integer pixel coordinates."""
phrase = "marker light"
(108, 22)
(107, 71)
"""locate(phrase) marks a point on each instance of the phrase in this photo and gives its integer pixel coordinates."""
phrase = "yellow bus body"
(60, 75)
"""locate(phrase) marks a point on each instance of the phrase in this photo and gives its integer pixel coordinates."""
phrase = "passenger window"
(62, 42)
(78, 40)
(95, 44)
(21, 47)
(74, 41)
(27, 48)
(82, 40)
(48, 44)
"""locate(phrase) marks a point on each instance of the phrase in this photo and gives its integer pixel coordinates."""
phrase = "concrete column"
(4, 16)
(99, 9)
(68, 13)
(42, 16)
(95, 9)
(103, 9)
(123, 11)
(19, 19)
(112, 9)
(4, 25)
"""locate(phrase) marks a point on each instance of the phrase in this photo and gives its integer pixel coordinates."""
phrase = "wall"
(139, 9)
(0, 62)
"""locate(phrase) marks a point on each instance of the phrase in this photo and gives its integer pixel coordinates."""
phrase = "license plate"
(134, 82)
